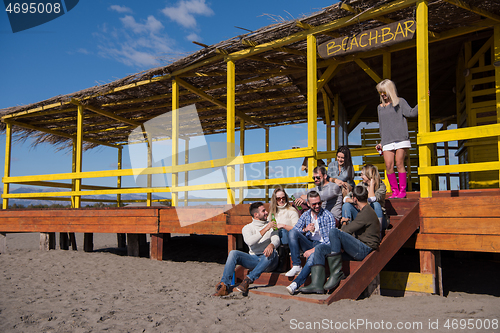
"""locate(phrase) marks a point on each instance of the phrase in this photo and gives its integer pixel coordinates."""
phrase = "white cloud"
(193, 37)
(82, 50)
(183, 13)
(137, 43)
(120, 9)
(152, 25)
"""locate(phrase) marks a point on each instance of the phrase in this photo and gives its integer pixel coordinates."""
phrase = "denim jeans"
(349, 211)
(297, 241)
(339, 240)
(306, 270)
(257, 264)
(283, 233)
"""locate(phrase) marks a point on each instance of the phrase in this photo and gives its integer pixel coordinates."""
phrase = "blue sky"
(100, 41)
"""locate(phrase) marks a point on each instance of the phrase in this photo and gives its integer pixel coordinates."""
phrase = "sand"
(75, 291)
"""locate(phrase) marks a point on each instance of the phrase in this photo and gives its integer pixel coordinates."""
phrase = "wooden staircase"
(404, 221)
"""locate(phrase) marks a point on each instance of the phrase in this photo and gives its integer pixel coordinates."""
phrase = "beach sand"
(75, 291)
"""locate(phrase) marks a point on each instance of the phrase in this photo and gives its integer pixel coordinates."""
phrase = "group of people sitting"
(333, 216)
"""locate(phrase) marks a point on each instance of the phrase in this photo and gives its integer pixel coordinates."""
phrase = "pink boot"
(393, 181)
(402, 185)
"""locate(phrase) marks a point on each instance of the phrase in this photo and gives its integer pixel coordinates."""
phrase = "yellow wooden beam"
(241, 196)
(119, 178)
(335, 24)
(496, 60)
(330, 72)
(353, 123)
(175, 137)
(403, 281)
(230, 123)
(106, 113)
(486, 46)
(312, 101)
(476, 10)
(64, 135)
(8, 158)
(422, 93)
(209, 98)
(467, 167)
(364, 66)
(34, 110)
(78, 154)
(466, 133)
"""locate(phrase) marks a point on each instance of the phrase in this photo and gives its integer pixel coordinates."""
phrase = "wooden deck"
(466, 220)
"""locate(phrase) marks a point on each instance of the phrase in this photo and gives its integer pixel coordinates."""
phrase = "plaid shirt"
(326, 221)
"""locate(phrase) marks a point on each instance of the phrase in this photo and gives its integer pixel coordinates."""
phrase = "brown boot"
(243, 286)
(221, 290)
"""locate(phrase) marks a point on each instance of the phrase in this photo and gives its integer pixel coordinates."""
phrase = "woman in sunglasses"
(286, 217)
(395, 141)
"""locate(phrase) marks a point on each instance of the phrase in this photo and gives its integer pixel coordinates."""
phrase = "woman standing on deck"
(395, 141)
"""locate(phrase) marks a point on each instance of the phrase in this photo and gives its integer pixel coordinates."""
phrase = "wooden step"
(359, 273)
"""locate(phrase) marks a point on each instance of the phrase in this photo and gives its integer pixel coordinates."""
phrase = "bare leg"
(389, 161)
(400, 159)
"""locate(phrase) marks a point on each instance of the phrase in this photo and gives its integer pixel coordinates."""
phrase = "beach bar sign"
(386, 35)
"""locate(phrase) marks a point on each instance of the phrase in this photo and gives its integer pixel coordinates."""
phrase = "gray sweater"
(331, 195)
(392, 121)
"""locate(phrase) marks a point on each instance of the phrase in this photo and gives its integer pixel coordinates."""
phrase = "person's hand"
(344, 220)
(310, 227)
(339, 182)
(349, 200)
(269, 250)
(308, 252)
(371, 182)
(299, 201)
(378, 147)
(280, 226)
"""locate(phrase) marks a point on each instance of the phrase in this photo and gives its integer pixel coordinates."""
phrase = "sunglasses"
(382, 93)
(280, 198)
(316, 177)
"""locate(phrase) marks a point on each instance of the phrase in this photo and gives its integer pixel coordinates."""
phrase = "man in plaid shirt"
(312, 228)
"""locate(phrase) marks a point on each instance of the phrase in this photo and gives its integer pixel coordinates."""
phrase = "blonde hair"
(273, 205)
(371, 172)
(389, 88)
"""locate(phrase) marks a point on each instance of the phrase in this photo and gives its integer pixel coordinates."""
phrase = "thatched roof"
(271, 86)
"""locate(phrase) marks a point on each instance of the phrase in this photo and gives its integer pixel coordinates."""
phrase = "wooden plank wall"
(460, 221)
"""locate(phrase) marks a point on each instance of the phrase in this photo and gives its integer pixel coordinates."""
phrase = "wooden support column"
(336, 112)
(496, 61)
(230, 136)
(136, 245)
(156, 246)
(149, 196)
(63, 241)
(430, 263)
(47, 241)
(423, 95)
(312, 101)
(175, 139)
(8, 155)
(186, 173)
(327, 105)
(267, 164)
(231, 242)
(121, 238)
(242, 153)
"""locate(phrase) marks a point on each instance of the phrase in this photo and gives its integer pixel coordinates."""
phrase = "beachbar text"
(386, 35)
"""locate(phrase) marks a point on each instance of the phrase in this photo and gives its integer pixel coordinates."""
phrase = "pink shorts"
(397, 145)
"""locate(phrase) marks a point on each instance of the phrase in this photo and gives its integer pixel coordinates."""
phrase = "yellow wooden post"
(230, 136)
(266, 188)
(242, 166)
(312, 101)
(6, 171)
(387, 65)
(424, 123)
(73, 169)
(78, 153)
(175, 138)
(150, 177)
(186, 173)
(119, 178)
(496, 61)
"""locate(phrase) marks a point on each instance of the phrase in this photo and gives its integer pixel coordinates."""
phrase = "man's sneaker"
(292, 288)
(294, 271)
